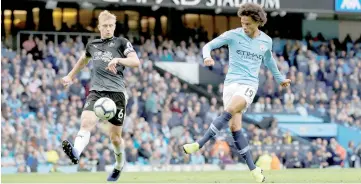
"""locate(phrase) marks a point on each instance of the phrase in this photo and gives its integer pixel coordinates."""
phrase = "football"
(105, 108)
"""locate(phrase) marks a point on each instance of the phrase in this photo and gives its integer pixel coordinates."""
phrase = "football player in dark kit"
(110, 55)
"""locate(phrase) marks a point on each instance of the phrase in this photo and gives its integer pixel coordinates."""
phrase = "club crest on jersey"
(86, 104)
(262, 48)
(111, 44)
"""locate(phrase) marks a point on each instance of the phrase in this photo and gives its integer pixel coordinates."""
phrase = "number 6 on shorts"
(120, 114)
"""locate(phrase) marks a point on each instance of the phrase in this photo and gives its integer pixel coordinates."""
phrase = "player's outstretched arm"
(82, 62)
(271, 64)
(221, 40)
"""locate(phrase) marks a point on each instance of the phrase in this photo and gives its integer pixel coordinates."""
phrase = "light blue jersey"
(245, 56)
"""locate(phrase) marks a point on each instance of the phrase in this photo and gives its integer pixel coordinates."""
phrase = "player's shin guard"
(81, 140)
(243, 149)
(215, 127)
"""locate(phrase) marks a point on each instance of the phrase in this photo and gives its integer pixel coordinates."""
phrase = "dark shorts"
(119, 99)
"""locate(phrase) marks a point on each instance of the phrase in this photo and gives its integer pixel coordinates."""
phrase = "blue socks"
(215, 127)
(243, 149)
(240, 141)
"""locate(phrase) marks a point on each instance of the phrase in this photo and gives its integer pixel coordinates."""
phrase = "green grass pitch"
(282, 176)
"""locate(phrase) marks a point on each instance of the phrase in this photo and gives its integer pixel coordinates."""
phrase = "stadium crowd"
(162, 113)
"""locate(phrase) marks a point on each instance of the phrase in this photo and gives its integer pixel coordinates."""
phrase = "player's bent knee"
(235, 127)
(231, 110)
(238, 103)
(236, 122)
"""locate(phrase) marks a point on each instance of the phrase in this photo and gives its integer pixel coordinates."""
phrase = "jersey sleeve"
(126, 47)
(271, 64)
(223, 39)
(87, 50)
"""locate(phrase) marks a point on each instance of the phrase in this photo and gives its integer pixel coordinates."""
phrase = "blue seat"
(68, 169)
(9, 170)
(44, 168)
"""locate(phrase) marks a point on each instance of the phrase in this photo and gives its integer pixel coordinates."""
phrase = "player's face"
(106, 28)
(249, 25)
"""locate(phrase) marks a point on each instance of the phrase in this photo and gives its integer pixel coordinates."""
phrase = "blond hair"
(105, 15)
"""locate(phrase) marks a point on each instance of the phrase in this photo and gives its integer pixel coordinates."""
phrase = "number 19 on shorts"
(249, 92)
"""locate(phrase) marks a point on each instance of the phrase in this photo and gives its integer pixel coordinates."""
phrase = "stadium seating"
(162, 113)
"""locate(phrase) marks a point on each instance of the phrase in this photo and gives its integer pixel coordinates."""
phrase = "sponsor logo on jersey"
(250, 55)
(111, 44)
(86, 104)
(104, 56)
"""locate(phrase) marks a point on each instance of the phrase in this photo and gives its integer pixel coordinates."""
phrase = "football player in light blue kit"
(248, 48)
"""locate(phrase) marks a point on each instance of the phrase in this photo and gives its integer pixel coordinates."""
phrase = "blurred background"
(315, 123)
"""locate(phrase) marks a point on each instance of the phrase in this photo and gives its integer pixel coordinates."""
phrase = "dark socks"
(243, 148)
(215, 127)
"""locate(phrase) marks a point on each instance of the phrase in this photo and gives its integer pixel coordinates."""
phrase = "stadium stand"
(164, 113)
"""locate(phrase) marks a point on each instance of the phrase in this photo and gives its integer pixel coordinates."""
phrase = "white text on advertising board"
(272, 4)
(351, 5)
(269, 4)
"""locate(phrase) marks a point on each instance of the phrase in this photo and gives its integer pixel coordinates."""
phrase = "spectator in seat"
(289, 97)
(29, 44)
(191, 58)
(310, 161)
(294, 161)
(225, 158)
(351, 156)
(167, 56)
(264, 161)
(276, 163)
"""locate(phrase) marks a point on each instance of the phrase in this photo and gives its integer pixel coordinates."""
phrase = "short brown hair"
(253, 10)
